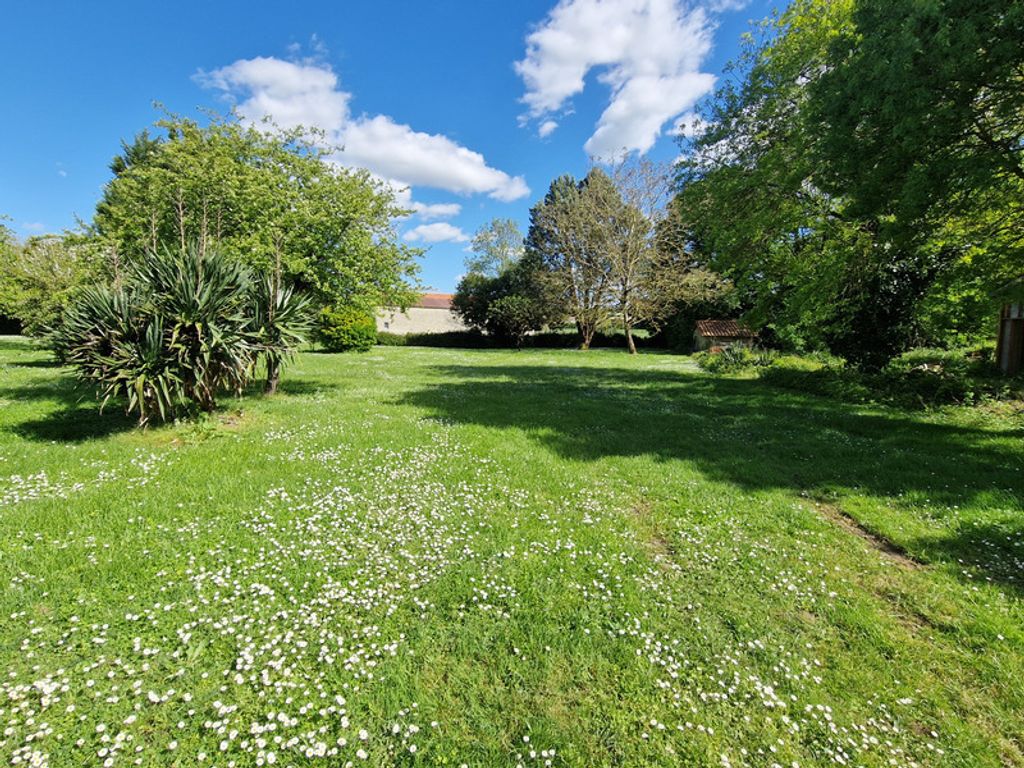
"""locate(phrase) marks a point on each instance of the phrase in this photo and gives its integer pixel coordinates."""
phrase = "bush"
(346, 329)
(920, 378)
(472, 339)
(386, 339)
(734, 359)
(280, 321)
(928, 360)
(174, 335)
(564, 339)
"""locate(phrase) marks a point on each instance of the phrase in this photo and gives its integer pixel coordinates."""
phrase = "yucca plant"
(110, 340)
(280, 320)
(202, 298)
(174, 335)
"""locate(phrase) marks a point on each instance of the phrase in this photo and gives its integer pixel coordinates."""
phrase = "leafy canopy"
(264, 197)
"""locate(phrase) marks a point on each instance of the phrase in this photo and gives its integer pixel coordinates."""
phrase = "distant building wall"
(702, 342)
(419, 320)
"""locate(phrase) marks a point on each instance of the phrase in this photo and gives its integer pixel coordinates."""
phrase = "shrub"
(927, 360)
(472, 339)
(734, 359)
(512, 317)
(280, 320)
(346, 329)
(386, 339)
(174, 335)
(920, 378)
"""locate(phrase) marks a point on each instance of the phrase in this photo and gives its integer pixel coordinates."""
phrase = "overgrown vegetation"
(209, 251)
(860, 178)
(920, 378)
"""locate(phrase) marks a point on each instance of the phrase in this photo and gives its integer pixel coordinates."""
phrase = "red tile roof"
(435, 301)
(723, 329)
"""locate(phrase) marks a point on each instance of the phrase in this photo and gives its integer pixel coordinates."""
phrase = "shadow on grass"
(34, 364)
(995, 550)
(742, 432)
(76, 418)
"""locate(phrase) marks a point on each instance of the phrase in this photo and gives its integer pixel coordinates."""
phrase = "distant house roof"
(723, 329)
(435, 301)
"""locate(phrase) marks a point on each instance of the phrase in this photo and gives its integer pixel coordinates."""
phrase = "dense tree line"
(859, 177)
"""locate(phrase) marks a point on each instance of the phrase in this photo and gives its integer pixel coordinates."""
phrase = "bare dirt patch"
(888, 549)
(661, 548)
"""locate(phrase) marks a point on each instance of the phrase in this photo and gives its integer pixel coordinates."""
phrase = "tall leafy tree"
(496, 247)
(921, 106)
(566, 238)
(269, 198)
(920, 114)
(809, 264)
(508, 303)
(643, 244)
(41, 277)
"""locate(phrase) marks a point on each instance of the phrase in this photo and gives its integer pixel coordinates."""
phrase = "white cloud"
(648, 52)
(425, 211)
(307, 93)
(546, 128)
(292, 94)
(726, 6)
(438, 232)
(690, 125)
(428, 211)
(431, 160)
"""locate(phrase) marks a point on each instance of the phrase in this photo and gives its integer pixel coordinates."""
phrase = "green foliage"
(474, 339)
(346, 329)
(267, 198)
(568, 245)
(496, 247)
(388, 339)
(280, 319)
(471, 339)
(41, 277)
(508, 305)
(919, 378)
(171, 337)
(931, 93)
(858, 208)
(735, 359)
(513, 316)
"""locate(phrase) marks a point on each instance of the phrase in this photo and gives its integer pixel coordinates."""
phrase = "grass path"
(433, 557)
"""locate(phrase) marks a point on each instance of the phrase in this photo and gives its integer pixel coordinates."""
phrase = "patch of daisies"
(264, 645)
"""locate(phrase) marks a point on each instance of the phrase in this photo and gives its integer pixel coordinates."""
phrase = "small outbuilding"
(1010, 334)
(1010, 343)
(722, 333)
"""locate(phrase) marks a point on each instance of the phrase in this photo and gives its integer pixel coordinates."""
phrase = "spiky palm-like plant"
(174, 335)
(280, 320)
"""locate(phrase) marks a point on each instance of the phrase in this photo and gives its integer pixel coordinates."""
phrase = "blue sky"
(469, 107)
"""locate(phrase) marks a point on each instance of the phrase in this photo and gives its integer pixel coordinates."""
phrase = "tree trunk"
(587, 332)
(273, 377)
(629, 333)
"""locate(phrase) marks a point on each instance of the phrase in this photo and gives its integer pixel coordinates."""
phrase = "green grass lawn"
(435, 557)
